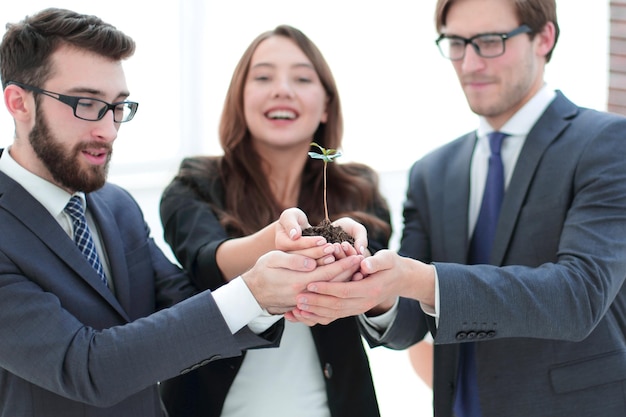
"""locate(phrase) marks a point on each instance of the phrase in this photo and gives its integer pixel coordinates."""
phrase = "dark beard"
(63, 164)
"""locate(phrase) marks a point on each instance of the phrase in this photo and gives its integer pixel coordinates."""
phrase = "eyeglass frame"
(503, 36)
(72, 101)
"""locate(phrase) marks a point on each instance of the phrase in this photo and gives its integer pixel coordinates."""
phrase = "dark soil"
(333, 234)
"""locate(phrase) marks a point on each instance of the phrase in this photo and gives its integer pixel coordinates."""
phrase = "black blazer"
(194, 233)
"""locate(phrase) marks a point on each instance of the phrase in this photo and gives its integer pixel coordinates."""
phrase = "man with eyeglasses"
(514, 241)
(84, 324)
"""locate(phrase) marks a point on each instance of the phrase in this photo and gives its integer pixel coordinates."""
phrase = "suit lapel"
(27, 210)
(549, 126)
(110, 235)
(455, 204)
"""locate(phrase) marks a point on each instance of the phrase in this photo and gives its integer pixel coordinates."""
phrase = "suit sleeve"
(566, 263)
(62, 335)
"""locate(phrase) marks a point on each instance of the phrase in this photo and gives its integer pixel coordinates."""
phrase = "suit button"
(481, 335)
(328, 371)
(461, 335)
(471, 335)
(491, 333)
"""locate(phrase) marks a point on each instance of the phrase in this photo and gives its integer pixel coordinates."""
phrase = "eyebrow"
(94, 92)
(297, 65)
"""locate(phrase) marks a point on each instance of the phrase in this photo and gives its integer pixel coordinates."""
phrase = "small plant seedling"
(333, 234)
(327, 155)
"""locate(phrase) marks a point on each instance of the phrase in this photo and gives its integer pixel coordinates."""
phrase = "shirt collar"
(52, 197)
(523, 121)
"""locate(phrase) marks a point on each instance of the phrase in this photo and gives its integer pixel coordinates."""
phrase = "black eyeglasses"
(487, 45)
(88, 108)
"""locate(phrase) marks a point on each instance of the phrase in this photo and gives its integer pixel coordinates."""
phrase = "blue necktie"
(467, 403)
(82, 235)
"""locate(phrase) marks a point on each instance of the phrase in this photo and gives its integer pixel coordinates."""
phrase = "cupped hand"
(386, 276)
(278, 277)
(356, 230)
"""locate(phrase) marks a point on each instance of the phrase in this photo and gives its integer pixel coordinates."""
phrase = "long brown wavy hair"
(250, 205)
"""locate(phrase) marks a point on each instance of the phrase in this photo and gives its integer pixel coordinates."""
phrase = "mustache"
(90, 145)
(477, 79)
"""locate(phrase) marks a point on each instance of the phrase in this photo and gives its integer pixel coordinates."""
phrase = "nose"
(283, 88)
(472, 61)
(106, 129)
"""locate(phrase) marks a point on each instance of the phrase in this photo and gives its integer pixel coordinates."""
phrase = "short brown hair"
(27, 46)
(533, 13)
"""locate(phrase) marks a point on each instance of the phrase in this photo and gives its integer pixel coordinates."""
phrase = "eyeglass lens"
(91, 109)
(486, 46)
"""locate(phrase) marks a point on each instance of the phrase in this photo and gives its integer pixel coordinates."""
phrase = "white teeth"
(281, 114)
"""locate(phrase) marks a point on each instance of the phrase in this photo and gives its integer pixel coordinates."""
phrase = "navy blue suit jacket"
(69, 346)
(550, 314)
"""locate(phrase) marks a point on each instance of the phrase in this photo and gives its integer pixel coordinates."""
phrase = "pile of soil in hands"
(333, 234)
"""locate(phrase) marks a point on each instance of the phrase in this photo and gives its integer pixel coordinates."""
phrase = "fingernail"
(292, 233)
(329, 260)
(368, 264)
(321, 242)
(362, 250)
(307, 262)
(329, 249)
(312, 288)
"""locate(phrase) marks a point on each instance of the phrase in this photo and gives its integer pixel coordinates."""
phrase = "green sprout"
(327, 155)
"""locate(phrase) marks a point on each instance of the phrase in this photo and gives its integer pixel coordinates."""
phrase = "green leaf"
(316, 155)
(327, 155)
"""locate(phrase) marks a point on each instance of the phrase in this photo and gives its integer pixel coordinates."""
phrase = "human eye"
(304, 79)
(454, 45)
(455, 42)
(89, 108)
(305, 75)
(120, 108)
(488, 42)
(260, 74)
(87, 103)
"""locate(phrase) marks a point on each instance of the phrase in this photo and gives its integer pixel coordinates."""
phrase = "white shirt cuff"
(237, 304)
(376, 326)
(430, 310)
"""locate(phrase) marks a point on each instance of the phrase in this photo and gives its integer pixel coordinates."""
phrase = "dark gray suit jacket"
(551, 318)
(68, 346)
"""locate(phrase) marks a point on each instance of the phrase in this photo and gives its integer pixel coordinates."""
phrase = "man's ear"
(546, 39)
(19, 103)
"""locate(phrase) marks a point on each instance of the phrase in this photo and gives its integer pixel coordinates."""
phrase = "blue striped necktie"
(82, 235)
(467, 403)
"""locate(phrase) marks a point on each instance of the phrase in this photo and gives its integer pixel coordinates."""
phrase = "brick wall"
(617, 57)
